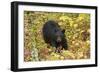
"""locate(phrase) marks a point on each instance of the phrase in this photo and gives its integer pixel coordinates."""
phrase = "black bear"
(54, 35)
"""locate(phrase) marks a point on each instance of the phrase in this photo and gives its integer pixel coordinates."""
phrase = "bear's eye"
(55, 30)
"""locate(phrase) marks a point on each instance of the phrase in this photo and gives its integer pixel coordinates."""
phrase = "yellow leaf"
(79, 55)
(61, 57)
(68, 54)
(71, 23)
(75, 25)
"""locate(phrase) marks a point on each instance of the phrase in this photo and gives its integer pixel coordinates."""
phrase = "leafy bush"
(77, 26)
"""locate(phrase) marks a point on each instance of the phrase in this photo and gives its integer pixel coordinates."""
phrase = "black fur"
(54, 35)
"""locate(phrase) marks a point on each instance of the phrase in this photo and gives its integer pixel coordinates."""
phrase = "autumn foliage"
(77, 31)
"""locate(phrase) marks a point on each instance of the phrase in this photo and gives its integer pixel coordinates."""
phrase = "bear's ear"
(63, 30)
